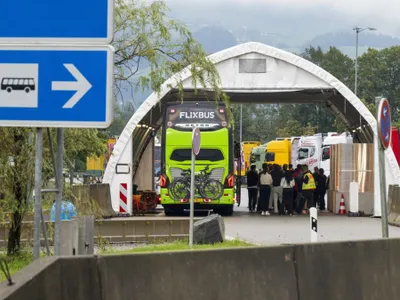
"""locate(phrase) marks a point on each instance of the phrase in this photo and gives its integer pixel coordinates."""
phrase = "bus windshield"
(206, 117)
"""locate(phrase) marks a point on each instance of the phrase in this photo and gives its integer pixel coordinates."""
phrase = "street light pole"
(358, 30)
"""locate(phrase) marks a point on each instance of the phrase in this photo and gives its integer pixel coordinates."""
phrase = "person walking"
(277, 175)
(287, 184)
(252, 187)
(265, 182)
(322, 187)
(308, 188)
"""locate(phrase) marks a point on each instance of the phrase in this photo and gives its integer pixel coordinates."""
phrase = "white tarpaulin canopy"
(251, 73)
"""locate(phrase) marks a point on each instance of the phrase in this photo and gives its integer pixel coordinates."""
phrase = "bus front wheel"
(27, 90)
(9, 89)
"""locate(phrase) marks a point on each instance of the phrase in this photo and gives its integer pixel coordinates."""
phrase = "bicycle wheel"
(179, 189)
(211, 189)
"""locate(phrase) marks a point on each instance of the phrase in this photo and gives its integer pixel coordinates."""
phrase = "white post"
(353, 198)
(192, 200)
(313, 224)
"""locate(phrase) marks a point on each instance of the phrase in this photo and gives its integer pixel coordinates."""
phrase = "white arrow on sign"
(81, 86)
(384, 111)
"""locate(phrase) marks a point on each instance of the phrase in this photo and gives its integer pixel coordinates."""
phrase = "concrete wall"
(330, 271)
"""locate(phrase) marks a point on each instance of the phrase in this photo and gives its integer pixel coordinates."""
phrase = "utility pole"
(358, 30)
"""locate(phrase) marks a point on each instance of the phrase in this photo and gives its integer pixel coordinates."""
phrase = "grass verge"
(178, 246)
(16, 263)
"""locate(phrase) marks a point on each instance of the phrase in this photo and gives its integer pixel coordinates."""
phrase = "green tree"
(379, 75)
(147, 38)
(17, 169)
(334, 61)
(294, 128)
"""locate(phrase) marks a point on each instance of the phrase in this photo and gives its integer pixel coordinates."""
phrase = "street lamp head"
(359, 29)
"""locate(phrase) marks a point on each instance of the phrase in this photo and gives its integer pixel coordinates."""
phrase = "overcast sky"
(382, 14)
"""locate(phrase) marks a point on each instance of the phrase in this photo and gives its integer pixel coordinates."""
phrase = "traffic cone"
(342, 208)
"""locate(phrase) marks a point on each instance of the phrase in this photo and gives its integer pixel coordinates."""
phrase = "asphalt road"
(273, 230)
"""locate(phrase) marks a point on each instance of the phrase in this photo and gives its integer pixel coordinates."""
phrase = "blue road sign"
(196, 141)
(56, 86)
(32, 21)
(385, 123)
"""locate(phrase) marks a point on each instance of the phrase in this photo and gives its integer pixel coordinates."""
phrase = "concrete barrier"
(52, 278)
(257, 274)
(329, 271)
(394, 205)
(118, 230)
(349, 270)
(94, 199)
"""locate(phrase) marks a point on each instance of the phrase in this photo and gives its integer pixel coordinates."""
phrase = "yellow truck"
(247, 147)
(282, 151)
(95, 165)
(278, 152)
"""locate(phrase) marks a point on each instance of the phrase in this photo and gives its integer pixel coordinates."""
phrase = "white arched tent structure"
(250, 72)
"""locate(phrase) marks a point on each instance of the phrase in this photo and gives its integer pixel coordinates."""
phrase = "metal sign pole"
(384, 124)
(192, 174)
(195, 152)
(59, 175)
(382, 173)
(38, 186)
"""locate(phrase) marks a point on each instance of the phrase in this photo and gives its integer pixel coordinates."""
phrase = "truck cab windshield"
(303, 153)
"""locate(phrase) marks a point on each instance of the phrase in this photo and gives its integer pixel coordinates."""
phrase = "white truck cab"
(309, 151)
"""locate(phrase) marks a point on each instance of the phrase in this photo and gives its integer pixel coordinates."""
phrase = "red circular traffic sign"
(384, 123)
(196, 141)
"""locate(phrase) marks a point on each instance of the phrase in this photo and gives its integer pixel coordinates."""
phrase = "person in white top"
(287, 184)
(265, 190)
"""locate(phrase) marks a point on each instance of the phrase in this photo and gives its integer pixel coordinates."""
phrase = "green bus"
(216, 152)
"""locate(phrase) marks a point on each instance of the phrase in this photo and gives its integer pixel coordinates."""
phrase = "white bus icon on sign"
(18, 84)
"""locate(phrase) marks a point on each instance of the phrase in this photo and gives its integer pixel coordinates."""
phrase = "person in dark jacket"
(322, 186)
(298, 179)
(252, 187)
(315, 175)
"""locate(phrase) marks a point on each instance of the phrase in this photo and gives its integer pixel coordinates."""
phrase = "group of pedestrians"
(285, 190)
